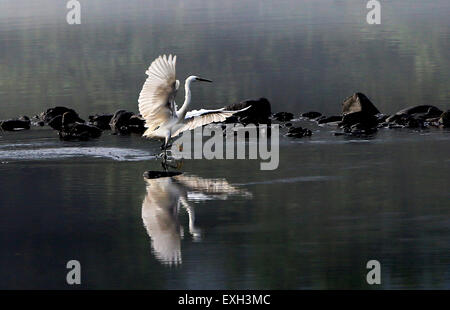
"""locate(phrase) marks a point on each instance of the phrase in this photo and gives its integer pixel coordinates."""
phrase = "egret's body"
(157, 103)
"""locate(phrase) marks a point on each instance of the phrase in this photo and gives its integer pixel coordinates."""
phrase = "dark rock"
(51, 113)
(381, 117)
(56, 122)
(101, 120)
(15, 124)
(444, 120)
(358, 102)
(362, 118)
(298, 132)
(258, 113)
(67, 118)
(120, 121)
(288, 124)
(419, 113)
(136, 124)
(78, 131)
(329, 119)
(283, 116)
(311, 114)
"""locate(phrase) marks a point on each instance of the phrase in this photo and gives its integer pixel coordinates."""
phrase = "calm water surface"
(334, 202)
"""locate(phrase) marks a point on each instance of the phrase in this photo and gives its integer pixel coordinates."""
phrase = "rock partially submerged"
(359, 115)
(101, 120)
(68, 117)
(329, 119)
(258, 113)
(444, 120)
(298, 132)
(311, 115)
(358, 102)
(51, 113)
(414, 117)
(78, 131)
(68, 124)
(283, 116)
(71, 129)
(360, 120)
(125, 122)
(21, 123)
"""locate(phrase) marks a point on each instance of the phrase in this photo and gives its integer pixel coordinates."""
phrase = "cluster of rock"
(71, 126)
(359, 117)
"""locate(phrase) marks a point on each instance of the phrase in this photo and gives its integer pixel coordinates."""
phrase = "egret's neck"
(187, 99)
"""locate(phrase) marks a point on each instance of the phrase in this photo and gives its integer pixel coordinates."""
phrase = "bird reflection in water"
(167, 193)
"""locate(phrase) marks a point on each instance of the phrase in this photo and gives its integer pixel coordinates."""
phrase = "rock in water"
(358, 102)
(362, 118)
(119, 121)
(258, 113)
(125, 122)
(311, 115)
(444, 120)
(78, 131)
(414, 117)
(51, 113)
(298, 132)
(101, 120)
(65, 119)
(16, 124)
(359, 115)
(329, 119)
(136, 124)
(283, 116)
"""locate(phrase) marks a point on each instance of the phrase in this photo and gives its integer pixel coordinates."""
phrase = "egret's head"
(194, 78)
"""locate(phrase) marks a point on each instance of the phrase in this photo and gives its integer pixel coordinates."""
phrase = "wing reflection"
(166, 195)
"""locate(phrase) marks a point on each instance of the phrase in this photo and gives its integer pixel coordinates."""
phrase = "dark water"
(333, 204)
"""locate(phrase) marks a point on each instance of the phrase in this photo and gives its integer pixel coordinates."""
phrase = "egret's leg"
(165, 146)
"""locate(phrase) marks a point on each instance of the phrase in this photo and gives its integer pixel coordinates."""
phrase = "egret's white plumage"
(157, 102)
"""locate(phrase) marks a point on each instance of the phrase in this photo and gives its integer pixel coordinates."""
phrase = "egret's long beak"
(203, 80)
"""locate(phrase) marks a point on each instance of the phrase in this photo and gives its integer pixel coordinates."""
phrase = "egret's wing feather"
(197, 118)
(157, 97)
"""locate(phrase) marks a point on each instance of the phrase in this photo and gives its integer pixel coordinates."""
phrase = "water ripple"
(119, 154)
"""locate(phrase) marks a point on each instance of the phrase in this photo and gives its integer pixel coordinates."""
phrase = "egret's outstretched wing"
(157, 97)
(197, 118)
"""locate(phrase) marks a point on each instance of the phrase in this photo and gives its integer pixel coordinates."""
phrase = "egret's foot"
(163, 146)
(166, 155)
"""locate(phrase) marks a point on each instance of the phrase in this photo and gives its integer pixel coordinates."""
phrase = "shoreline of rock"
(359, 117)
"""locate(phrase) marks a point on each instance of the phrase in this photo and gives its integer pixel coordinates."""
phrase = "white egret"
(157, 103)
